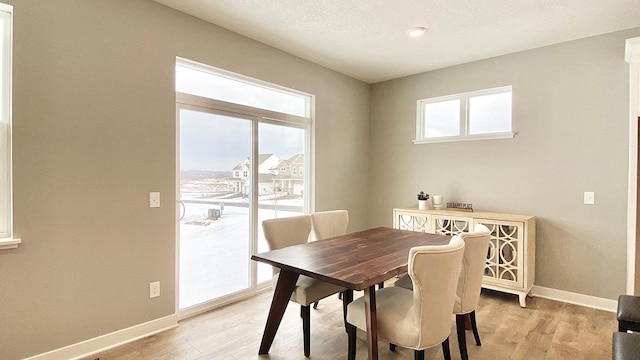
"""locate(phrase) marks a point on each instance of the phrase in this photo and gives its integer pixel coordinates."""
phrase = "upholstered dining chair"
(469, 283)
(290, 231)
(420, 318)
(327, 224)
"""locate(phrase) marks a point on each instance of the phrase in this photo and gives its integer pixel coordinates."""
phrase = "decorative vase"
(437, 201)
(422, 205)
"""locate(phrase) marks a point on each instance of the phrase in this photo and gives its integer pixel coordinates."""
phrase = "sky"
(217, 142)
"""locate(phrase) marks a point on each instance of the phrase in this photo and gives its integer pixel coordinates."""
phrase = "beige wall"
(570, 106)
(94, 132)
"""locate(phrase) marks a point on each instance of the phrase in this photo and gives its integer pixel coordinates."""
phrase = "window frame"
(258, 116)
(7, 240)
(464, 117)
(252, 82)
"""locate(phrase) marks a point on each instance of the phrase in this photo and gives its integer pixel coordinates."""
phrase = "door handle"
(184, 209)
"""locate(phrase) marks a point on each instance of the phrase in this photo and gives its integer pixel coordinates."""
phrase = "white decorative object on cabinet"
(511, 257)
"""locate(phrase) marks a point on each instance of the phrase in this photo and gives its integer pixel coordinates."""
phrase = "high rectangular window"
(477, 115)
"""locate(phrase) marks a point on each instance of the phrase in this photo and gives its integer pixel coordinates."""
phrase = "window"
(229, 122)
(6, 195)
(477, 115)
(293, 171)
(192, 79)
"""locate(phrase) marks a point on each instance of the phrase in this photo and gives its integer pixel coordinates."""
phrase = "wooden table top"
(355, 261)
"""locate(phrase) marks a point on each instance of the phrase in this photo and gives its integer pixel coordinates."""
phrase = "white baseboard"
(108, 341)
(575, 298)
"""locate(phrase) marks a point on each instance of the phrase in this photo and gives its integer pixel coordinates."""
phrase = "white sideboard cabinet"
(511, 256)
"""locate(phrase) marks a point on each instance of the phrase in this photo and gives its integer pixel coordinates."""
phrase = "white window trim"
(252, 81)
(8, 241)
(464, 118)
(186, 101)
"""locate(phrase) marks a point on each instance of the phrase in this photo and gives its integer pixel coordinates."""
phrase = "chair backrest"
(284, 232)
(473, 264)
(434, 271)
(327, 224)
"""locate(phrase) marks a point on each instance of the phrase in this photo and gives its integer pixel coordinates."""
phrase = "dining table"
(355, 261)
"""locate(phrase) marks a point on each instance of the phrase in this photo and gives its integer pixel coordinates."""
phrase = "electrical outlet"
(154, 289)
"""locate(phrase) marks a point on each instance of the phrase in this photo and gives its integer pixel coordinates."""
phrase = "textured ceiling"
(366, 39)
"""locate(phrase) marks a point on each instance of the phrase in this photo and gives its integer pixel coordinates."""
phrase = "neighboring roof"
(290, 161)
(261, 158)
(239, 166)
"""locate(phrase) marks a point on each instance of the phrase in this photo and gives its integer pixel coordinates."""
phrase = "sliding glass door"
(244, 157)
(215, 241)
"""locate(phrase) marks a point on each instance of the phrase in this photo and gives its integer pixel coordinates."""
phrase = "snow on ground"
(215, 254)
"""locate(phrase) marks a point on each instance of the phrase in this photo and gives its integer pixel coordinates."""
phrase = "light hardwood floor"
(546, 329)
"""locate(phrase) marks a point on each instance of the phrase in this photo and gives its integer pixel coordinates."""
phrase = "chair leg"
(351, 332)
(305, 313)
(392, 347)
(462, 341)
(474, 327)
(418, 354)
(445, 349)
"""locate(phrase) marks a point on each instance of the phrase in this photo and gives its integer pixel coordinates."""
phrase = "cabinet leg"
(523, 300)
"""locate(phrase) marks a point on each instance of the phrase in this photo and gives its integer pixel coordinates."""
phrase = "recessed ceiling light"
(416, 31)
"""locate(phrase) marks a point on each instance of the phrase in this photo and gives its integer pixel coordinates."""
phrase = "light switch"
(589, 197)
(154, 199)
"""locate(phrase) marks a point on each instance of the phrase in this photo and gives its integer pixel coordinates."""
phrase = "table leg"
(372, 321)
(347, 298)
(281, 295)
